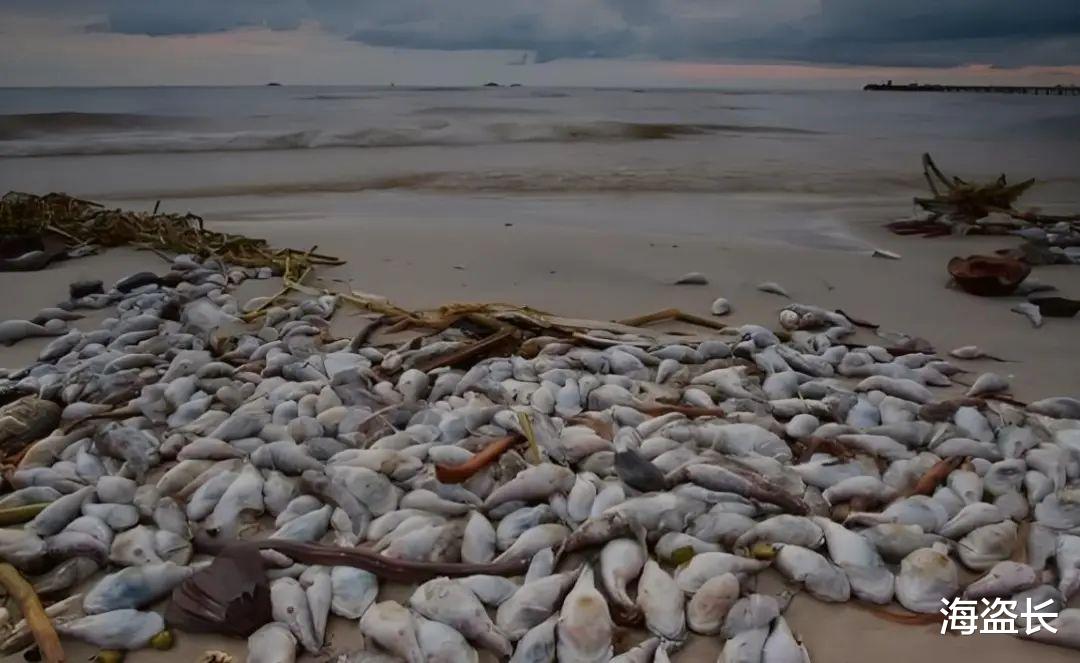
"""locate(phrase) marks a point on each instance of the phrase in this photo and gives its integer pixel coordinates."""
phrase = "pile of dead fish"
(834, 465)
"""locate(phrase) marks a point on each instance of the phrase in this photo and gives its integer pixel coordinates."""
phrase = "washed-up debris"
(81, 223)
(1057, 307)
(988, 276)
(471, 450)
(30, 606)
(957, 207)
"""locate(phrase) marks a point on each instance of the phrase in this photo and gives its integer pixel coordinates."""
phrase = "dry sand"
(609, 275)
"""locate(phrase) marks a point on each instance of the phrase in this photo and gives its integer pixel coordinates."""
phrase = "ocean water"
(692, 161)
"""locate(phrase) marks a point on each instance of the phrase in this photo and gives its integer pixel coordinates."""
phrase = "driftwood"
(40, 625)
(956, 206)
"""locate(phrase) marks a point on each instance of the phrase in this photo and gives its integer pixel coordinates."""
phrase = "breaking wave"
(868, 184)
(91, 141)
(24, 125)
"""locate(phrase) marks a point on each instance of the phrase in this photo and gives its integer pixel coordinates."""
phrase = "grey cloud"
(880, 32)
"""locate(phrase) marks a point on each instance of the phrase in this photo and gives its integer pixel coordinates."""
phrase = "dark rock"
(80, 289)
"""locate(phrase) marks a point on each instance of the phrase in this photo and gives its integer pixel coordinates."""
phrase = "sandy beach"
(422, 263)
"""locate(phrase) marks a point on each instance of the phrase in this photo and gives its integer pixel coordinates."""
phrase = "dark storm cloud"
(881, 32)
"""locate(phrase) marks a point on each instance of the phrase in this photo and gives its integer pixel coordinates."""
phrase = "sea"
(801, 167)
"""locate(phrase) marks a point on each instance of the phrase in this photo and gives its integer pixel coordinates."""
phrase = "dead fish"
(65, 575)
(119, 629)
(692, 278)
(1065, 630)
(393, 628)
(119, 517)
(59, 513)
(272, 643)
(1067, 556)
(821, 578)
(290, 607)
(319, 589)
(1059, 407)
(540, 566)
(533, 484)
(353, 591)
(621, 561)
(134, 587)
(692, 575)
(584, 628)
(443, 644)
(478, 541)
(661, 601)
(988, 383)
(1029, 311)
(447, 601)
(926, 576)
(773, 288)
(532, 541)
(1004, 579)
(538, 645)
(134, 547)
(244, 494)
(637, 472)
(720, 306)
(491, 590)
(782, 647)
(710, 604)
(533, 603)
(310, 526)
(866, 488)
(13, 331)
(796, 530)
(169, 517)
(673, 544)
(116, 490)
(982, 548)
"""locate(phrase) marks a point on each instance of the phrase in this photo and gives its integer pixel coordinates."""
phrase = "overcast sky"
(592, 42)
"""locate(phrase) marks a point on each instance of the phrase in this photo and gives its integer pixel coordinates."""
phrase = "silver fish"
(533, 603)
(661, 602)
(393, 628)
(478, 541)
(119, 629)
(290, 607)
(449, 602)
(318, 588)
(584, 629)
(538, 645)
(621, 561)
(134, 587)
(354, 590)
(709, 606)
(272, 643)
(443, 644)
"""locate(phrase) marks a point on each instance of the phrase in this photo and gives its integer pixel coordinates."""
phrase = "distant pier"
(1057, 90)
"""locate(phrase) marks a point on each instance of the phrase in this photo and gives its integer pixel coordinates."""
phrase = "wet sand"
(609, 275)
